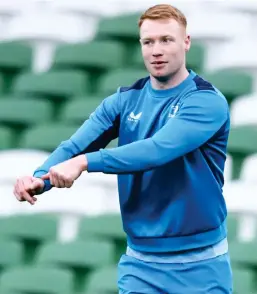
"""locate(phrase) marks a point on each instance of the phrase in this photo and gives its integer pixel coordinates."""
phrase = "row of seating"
(84, 69)
(34, 260)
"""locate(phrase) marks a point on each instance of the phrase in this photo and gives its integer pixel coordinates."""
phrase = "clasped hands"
(61, 175)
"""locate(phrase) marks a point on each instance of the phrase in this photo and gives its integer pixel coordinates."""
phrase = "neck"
(174, 80)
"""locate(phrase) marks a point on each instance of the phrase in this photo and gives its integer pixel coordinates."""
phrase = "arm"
(95, 133)
(200, 117)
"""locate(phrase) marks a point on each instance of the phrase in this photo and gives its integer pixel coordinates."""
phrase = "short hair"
(163, 11)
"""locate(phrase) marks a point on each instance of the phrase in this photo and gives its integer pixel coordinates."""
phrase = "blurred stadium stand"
(58, 60)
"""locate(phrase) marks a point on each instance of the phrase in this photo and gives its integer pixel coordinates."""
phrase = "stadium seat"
(36, 280)
(249, 169)
(14, 58)
(231, 83)
(94, 55)
(233, 226)
(19, 112)
(243, 281)
(16, 163)
(30, 230)
(121, 27)
(80, 256)
(243, 254)
(103, 280)
(44, 28)
(242, 110)
(242, 142)
(54, 85)
(78, 110)
(228, 170)
(46, 137)
(86, 10)
(6, 138)
(11, 254)
(110, 82)
(113, 230)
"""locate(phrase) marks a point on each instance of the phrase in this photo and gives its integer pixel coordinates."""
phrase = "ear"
(187, 43)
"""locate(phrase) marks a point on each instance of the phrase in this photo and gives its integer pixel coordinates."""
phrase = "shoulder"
(137, 85)
(205, 92)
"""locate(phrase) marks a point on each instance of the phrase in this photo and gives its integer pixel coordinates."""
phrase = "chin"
(161, 77)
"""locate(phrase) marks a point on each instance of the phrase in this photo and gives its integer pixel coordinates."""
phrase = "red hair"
(163, 11)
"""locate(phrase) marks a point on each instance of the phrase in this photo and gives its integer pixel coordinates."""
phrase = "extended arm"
(94, 134)
(199, 118)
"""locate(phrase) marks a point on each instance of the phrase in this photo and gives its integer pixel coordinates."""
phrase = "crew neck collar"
(171, 91)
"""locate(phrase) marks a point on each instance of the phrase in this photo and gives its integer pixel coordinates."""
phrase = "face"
(164, 44)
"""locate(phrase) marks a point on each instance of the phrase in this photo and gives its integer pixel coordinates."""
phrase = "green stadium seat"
(32, 231)
(94, 55)
(2, 84)
(233, 226)
(103, 280)
(79, 256)
(46, 137)
(11, 254)
(244, 253)
(106, 227)
(36, 280)
(6, 138)
(58, 85)
(231, 83)
(195, 58)
(22, 112)
(243, 281)
(15, 57)
(121, 27)
(242, 142)
(110, 82)
(78, 110)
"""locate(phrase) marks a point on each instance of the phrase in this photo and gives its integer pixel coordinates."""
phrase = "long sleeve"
(199, 118)
(95, 133)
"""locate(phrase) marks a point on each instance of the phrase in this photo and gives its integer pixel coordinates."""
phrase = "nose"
(157, 51)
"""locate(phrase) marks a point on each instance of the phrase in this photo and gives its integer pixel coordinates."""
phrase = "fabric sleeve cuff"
(95, 162)
(39, 174)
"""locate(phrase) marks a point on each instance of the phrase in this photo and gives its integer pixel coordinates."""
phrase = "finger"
(18, 197)
(24, 194)
(68, 184)
(46, 177)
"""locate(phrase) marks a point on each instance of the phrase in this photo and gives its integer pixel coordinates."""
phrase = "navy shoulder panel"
(138, 85)
(202, 84)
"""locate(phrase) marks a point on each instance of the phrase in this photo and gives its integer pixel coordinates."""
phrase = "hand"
(26, 187)
(64, 174)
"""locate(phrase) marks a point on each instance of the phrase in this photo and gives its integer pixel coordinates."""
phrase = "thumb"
(46, 177)
(37, 183)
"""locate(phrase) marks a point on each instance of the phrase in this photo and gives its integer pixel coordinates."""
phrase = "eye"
(166, 41)
(147, 42)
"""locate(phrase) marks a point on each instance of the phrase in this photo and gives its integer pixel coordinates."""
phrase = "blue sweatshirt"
(169, 161)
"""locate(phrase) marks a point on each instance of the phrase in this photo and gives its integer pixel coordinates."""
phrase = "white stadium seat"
(46, 29)
(249, 170)
(243, 110)
(228, 168)
(17, 163)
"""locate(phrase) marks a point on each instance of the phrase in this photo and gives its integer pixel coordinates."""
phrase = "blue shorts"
(209, 276)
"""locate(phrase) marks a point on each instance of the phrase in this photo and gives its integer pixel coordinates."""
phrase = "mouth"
(158, 62)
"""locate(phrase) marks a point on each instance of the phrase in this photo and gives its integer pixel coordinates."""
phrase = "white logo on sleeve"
(174, 110)
(133, 117)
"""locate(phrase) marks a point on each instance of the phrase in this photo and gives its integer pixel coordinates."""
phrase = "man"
(173, 128)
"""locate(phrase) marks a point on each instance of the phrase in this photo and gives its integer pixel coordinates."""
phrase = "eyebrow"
(161, 37)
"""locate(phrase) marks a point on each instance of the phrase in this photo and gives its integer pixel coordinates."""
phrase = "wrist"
(82, 162)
